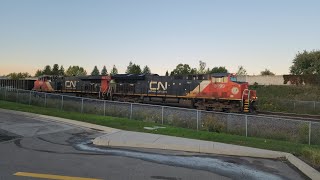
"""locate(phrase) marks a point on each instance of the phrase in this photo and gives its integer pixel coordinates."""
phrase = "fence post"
(294, 105)
(246, 125)
(5, 93)
(197, 120)
(309, 132)
(29, 97)
(161, 114)
(45, 99)
(81, 105)
(130, 110)
(17, 97)
(62, 102)
(104, 108)
(314, 105)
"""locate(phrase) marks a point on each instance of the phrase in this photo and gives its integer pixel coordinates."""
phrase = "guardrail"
(287, 129)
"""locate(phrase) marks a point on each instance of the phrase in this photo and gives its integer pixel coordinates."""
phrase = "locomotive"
(218, 91)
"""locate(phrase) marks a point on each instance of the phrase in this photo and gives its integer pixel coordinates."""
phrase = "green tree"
(306, 63)
(19, 75)
(129, 67)
(267, 72)
(76, 71)
(146, 70)
(202, 67)
(220, 69)
(133, 69)
(114, 70)
(95, 71)
(55, 69)
(38, 73)
(104, 71)
(183, 69)
(61, 71)
(241, 71)
(47, 70)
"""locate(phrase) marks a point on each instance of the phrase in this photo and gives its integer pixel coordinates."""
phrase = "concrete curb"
(119, 138)
(154, 141)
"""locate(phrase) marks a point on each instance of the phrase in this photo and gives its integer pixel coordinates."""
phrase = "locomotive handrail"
(242, 98)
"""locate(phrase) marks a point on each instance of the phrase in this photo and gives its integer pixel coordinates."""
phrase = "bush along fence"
(298, 131)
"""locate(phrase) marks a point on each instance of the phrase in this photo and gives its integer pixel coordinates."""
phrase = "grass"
(280, 98)
(310, 153)
(292, 92)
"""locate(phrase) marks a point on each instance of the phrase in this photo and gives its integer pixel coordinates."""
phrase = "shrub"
(211, 124)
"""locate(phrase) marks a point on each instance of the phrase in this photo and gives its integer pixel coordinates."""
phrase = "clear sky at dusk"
(157, 33)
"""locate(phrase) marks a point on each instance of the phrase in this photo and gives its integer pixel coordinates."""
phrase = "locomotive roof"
(220, 74)
(132, 76)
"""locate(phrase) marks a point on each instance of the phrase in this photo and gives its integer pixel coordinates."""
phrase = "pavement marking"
(51, 176)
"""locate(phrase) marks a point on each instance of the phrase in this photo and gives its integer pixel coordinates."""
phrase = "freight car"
(220, 91)
(26, 84)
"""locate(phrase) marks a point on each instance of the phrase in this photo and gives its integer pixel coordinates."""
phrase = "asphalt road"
(33, 147)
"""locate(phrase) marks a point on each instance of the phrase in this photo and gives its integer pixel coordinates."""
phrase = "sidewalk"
(145, 140)
(120, 138)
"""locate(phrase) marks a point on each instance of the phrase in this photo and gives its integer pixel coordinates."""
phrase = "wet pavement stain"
(227, 168)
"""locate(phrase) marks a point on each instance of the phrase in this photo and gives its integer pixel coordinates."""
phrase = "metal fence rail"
(240, 124)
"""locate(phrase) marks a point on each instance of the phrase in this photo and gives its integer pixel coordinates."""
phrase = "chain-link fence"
(291, 106)
(299, 131)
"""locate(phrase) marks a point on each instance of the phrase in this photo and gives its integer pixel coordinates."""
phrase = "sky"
(158, 33)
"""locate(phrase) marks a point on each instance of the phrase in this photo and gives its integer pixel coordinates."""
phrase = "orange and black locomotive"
(219, 91)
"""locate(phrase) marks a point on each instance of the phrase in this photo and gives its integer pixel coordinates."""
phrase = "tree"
(267, 72)
(95, 71)
(241, 71)
(61, 71)
(18, 75)
(202, 67)
(129, 67)
(183, 69)
(38, 73)
(146, 70)
(75, 71)
(306, 63)
(114, 70)
(167, 73)
(133, 69)
(47, 70)
(104, 71)
(55, 69)
(220, 69)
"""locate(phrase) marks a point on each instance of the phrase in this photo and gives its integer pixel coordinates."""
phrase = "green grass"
(292, 92)
(279, 98)
(136, 125)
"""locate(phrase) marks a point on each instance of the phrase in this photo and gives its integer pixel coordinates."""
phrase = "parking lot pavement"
(34, 147)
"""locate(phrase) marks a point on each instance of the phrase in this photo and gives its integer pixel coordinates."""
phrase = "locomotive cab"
(222, 91)
(248, 97)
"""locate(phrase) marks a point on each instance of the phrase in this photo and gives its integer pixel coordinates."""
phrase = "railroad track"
(302, 117)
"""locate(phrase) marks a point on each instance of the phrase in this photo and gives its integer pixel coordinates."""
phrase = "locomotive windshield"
(233, 78)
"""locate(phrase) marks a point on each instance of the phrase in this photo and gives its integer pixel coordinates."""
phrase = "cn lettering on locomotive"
(71, 84)
(158, 87)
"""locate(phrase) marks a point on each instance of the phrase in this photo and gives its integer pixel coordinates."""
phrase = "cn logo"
(158, 86)
(70, 84)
